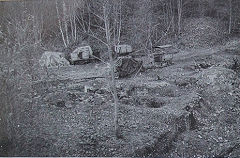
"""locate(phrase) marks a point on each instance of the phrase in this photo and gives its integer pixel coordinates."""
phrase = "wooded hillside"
(142, 23)
(164, 110)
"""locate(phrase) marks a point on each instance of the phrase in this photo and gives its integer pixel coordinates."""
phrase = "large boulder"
(51, 59)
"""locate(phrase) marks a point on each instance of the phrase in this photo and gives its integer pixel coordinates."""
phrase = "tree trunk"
(230, 17)
(60, 26)
(106, 12)
(75, 24)
(114, 91)
(179, 16)
(65, 22)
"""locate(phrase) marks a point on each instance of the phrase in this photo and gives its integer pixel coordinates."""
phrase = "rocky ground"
(190, 108)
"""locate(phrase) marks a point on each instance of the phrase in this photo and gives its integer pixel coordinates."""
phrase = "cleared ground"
(186, 109)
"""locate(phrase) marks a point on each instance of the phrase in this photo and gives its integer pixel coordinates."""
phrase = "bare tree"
(67, 21)
(60, 26)
(106, 17)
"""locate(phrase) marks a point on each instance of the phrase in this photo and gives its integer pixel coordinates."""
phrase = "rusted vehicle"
(129, 62)
(163, 55)
(123, 50)
(83, 55)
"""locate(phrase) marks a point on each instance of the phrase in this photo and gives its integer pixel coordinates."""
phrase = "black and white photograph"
(120, 78)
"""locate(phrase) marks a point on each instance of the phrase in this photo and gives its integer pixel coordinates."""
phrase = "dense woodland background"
(28, 28)
(141, 23)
